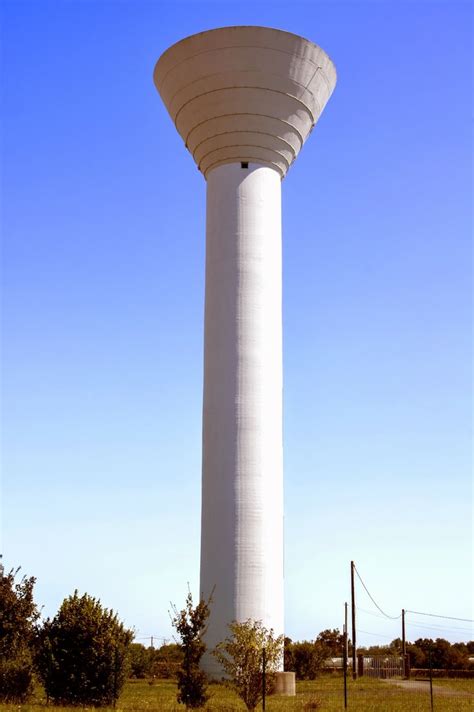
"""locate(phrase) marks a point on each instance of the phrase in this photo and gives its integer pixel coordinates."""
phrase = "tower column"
(242, 472)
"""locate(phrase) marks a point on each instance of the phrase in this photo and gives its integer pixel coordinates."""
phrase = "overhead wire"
(435, 615)
(371, 613)
(378, 635)
(393, 618)
(415, 624)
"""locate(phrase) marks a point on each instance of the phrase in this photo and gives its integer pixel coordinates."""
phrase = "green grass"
(455, 684)
(365, 695)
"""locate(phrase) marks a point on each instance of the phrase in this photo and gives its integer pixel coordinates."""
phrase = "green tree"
(332, 641)
(444, 656)
(140, 660)
(167, 661)
(191, 623)
(305, 658)
(18, 615)
(82, 656)
(241, 659)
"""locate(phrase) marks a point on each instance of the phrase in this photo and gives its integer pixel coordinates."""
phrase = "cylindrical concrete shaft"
(242, 479)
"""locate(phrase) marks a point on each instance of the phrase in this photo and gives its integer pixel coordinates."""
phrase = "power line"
(393, 618)
(434, 615)
(378, 635)
(415, 624)
(371, 613)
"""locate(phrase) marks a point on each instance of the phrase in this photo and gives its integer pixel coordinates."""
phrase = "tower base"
(285, 684)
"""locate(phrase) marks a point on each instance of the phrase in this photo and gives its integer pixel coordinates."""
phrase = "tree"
(191, 623)
(18, 615)
(167, 661)
(82, 656)
(333, 642)
(241, 659)
(162, 663)
(444, 656)
(140, 661)
(305, 658)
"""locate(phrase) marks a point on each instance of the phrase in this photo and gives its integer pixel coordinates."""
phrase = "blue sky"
(103, 278)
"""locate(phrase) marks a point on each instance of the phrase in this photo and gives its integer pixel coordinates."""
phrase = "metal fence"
(381, 666)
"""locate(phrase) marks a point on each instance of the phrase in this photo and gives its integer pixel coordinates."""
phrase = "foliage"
(162, 663)
(167, 661)
(444, 655)
(241, 659)
(18, 615)
(305, 658)
(365, 695)
(82, 656)
(332, 641)
(139, 661)
(191, 623)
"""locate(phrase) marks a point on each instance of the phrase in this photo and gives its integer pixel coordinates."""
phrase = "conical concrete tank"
(244, 100)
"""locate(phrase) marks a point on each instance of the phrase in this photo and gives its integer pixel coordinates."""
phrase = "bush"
(162, 663)
(167, 661)
(82, 656)
(241, 658)
(191, 624)
(305, 658)
(18, 615)
(16, 679)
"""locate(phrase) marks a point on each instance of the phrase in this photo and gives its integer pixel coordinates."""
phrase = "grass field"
(326, 693)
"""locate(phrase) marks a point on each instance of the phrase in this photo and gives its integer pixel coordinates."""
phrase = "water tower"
(244, 100)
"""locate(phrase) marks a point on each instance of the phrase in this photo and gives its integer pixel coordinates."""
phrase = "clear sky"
(103, 285)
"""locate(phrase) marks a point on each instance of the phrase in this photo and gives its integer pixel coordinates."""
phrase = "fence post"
(431, 679)
(344, 663)
(360, 664)
(353, 607)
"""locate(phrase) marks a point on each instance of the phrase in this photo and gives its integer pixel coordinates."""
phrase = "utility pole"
(346, 631)
(431, 678)
(354, 655)
(404, 645)
(151, 642)
(264, 681)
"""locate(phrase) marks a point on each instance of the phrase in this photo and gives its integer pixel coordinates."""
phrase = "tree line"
(84, 654)
(444, 655)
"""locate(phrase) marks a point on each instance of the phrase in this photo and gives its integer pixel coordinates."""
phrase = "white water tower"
(244, 100)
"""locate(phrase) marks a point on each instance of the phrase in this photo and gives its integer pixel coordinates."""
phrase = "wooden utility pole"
(404, 644)
(346, 631)
(353, 606)
(264, 681)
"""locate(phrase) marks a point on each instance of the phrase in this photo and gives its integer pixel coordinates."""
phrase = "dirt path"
(422, 686)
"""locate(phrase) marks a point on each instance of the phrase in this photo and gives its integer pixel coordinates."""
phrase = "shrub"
(190, 624)
(305, 658)
(18, 615)
(82, 656)
(314, 703)
(241, 657)
(16, 679)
